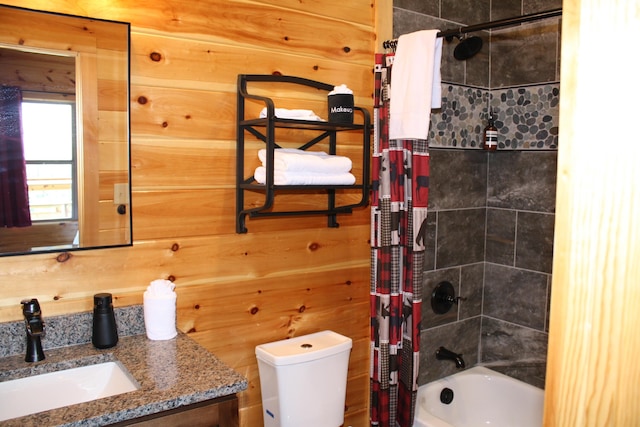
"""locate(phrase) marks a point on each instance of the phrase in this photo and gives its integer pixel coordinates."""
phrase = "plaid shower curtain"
(398, 214)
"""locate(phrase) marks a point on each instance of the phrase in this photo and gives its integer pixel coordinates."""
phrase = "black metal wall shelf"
(265, 130)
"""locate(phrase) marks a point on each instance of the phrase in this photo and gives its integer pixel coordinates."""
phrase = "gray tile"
(528, 372)
(501, 235)
(477, 67)
(534, 241)
(430, 242)
(460, 337)
(503, 341)
(460, 237)
(516, 296)
(405, 21)
(427, 7)
(457, 179)
(471, 288)
(504, 9)
(525, 54)
(452, 70)
(467, 12)
(514, 350)
(524, 180)
(535, 6)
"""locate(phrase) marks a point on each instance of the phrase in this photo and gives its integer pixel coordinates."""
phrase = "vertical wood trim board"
(593, 377)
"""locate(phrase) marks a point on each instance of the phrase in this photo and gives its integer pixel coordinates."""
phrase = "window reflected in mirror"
(49, 150)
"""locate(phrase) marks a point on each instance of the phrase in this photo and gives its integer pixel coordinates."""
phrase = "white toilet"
(304, 380)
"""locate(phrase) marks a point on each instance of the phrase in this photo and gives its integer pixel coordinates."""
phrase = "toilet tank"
(303, 380)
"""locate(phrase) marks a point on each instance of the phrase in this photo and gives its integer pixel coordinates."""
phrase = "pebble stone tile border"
(526, 117)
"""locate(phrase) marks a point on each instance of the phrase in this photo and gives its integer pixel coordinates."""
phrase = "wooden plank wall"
(286, 277)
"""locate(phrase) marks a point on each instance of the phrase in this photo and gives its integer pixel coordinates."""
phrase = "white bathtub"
(481, 397)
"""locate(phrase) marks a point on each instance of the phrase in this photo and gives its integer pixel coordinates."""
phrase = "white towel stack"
(298, 167)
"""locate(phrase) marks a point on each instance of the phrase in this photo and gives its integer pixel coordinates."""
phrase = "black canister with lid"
(105, 332)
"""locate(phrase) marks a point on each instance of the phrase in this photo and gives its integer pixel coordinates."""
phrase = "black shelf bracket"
(264, 129)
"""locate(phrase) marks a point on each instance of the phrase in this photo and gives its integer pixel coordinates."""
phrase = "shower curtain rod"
(487, 25)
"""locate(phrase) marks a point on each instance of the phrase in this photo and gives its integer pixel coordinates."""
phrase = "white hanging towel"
(415, 84)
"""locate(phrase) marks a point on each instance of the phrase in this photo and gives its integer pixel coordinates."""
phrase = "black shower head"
(467, 48)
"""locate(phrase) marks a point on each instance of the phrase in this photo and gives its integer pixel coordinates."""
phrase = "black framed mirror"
(64, 132)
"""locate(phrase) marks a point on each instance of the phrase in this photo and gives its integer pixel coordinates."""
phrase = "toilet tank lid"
(303, 348)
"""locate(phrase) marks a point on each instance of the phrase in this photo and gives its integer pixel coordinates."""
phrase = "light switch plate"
(121, 194)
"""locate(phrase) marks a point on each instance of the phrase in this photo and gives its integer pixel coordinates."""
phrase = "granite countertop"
(171, 374)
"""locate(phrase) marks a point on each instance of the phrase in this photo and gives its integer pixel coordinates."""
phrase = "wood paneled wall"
(286, 277)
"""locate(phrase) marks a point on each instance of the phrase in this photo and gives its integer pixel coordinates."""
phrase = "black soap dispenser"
(105, 332)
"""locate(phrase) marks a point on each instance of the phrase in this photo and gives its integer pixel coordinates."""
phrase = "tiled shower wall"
(491, 214)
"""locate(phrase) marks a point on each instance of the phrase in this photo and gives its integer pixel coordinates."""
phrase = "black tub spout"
(444, 354)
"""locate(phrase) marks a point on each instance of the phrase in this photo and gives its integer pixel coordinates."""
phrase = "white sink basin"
(39, 393)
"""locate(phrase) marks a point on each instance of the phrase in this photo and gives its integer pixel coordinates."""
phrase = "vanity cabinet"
(264, 129)
(220, 412)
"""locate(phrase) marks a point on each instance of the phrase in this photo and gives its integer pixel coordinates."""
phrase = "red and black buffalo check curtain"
(400, 171)
(14, 191)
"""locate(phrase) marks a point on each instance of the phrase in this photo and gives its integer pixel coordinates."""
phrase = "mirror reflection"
(64, 132)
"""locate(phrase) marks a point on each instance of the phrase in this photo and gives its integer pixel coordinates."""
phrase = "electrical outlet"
(121, 194)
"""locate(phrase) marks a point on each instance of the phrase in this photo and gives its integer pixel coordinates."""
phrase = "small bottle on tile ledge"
(490, 137)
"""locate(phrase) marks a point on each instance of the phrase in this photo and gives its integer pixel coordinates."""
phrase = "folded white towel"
(284, 113)
(159, 307)
(415, 84)
(304, 178)
(295, 160)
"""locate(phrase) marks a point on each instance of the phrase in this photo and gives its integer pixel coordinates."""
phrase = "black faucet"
(35, 330)
(444, 354)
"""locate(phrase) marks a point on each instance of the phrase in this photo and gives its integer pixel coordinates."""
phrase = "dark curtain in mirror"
(14, 193)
